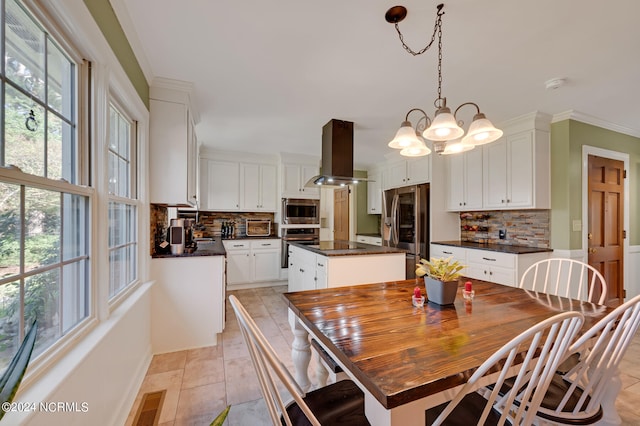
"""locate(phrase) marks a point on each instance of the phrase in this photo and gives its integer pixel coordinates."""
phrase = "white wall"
(105, 371)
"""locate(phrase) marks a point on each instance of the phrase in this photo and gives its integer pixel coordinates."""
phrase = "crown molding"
(594, 121)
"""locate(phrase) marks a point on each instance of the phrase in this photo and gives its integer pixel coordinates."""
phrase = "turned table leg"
(300, 353)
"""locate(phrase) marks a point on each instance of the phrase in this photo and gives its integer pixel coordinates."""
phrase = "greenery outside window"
(123, 209)
(44, 210)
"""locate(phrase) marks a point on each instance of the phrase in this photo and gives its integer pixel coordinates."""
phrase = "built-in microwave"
(296, 211)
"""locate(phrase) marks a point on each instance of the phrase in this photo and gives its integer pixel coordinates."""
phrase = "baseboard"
(246, 286)
(129, 396)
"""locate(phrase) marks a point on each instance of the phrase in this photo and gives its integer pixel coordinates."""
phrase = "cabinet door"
(291, 180)
(223, 185)
(250, 184)
(456, 182)
(520, 161)
(306, 173)
(495, 174)
(268, 188)
(192, 163)
(473, 179)
(374, 193)
(239, 268)
(168, 152)
(419, 170)
(397, 175)
(266, 265)
(321, 272)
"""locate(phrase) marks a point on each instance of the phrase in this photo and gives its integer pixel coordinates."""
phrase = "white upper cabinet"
(516, 167)
(233, 181)
(258, 187)
(465, 181)
(374, 192)
(223, 185)
(296, 171)
(408, 172)
(173, 148)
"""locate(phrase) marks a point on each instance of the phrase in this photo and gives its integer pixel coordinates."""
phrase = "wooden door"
(606, 220)
(341, 214)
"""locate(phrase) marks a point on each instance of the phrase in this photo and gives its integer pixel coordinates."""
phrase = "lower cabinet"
(368, 239)
(252, 261)
(488, 265)
(187, 302)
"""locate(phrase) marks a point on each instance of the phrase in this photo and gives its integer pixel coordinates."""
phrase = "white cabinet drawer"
(458, 253)
(230, 245)
(491, 258)
(265, 244)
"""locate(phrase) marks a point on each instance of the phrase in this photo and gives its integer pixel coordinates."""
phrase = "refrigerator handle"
(394, 214)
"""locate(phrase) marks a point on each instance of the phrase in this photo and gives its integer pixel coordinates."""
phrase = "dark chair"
(340, 403)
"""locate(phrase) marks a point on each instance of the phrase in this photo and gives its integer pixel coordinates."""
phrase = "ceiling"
(268, 75)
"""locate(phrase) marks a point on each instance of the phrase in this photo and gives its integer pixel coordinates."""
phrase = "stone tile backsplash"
(528, 228)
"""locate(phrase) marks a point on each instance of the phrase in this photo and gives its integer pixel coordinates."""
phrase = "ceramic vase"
(441, 292)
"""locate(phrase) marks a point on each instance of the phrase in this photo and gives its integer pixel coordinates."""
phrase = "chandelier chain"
(437, 29)
(439, 58)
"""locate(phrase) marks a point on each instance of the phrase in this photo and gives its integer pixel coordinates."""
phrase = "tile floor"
(201, 382)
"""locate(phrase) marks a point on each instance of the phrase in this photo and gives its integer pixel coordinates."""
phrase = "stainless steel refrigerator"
(405, 222)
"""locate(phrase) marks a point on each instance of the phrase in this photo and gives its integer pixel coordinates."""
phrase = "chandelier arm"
(438, 23)
(455, 114)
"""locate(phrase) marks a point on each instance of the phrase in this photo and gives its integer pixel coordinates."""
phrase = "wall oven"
(298, 235)
(296, 211)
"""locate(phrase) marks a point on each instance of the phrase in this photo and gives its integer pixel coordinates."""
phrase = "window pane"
(75, 226)
(9, 322)
(123, 138)
(42, 228)
(123, 179)
(41, 302)
(75, 294)
(24, 147)
(9, 230)
(60, 80)
(24, 50)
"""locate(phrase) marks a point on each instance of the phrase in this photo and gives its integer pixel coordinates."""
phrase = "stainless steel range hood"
(337, 155)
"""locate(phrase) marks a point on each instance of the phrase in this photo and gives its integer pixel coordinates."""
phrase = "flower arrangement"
(441, 269)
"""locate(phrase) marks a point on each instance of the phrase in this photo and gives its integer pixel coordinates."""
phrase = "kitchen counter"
(502, 248)
(214, 248)
(346, 248)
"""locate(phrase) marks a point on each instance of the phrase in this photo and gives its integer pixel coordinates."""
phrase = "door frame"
(612, 155)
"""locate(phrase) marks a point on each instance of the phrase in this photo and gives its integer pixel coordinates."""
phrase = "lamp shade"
(481, 131)
(405, 137)
(444, 127)
(416, 151)
(456, 146)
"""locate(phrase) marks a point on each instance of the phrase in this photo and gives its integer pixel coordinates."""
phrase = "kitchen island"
(339, 263)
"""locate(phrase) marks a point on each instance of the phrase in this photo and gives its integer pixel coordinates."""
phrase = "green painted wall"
(365, 223)
(108, 23)
(567, 139)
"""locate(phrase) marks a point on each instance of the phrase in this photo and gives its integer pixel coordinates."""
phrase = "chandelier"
(445, 130)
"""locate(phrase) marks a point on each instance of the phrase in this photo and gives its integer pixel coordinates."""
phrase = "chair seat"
(556, 391)
(340, 403)
(466, 413)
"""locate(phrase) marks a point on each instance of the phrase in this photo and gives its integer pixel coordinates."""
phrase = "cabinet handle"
(464, 204)
(301, 270)
(490, 273)
(491, 260)
(485, 272)
(447, 252)
(266, 244)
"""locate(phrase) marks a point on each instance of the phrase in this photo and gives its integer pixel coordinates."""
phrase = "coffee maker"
(176, 236)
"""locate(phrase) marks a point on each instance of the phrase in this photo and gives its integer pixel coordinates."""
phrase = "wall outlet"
(576, 225)
(502, 234)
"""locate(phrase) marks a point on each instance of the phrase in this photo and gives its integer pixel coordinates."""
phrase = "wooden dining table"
(407, 359)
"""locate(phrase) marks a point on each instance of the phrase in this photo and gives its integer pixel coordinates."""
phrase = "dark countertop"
(502, 248)
(214, 248)
(346, 248)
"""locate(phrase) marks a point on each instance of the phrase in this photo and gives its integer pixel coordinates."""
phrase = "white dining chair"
(534, 355)
(340, 403)
(576, 397)
(566, 277)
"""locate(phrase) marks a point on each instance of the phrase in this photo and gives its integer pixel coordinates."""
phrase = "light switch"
(577, 225)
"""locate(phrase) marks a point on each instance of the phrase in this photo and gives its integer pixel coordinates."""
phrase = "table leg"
(301, 355)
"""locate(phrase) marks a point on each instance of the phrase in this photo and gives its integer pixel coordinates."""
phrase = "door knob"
(590, 236)
(592, 250)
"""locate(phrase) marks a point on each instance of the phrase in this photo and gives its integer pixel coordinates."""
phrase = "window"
(44, 212)
(122, 202)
